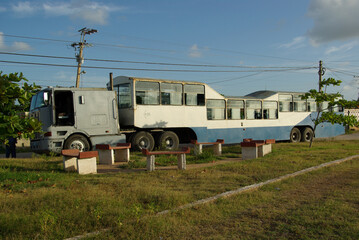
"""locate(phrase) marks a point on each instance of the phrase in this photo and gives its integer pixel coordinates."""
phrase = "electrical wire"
(152, 63)
(232, 79)
(153, 49)
(344, 72)
(155, 70)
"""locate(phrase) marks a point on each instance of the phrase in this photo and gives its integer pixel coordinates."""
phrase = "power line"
(214, 49)
(151, 63)
(99, 44)
(35, 38)
(155, 70)
(344, 72)
(236, 78)
(153, 49)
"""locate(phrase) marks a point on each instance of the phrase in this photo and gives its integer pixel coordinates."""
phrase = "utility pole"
(321, 72)
(80, 46)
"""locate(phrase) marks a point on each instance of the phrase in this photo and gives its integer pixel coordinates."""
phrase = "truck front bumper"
(46, 145)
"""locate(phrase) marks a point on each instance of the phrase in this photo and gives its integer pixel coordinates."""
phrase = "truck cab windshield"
(39, 100)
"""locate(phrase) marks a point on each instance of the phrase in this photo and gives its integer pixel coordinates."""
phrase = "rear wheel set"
(144, 140)
(301, 136)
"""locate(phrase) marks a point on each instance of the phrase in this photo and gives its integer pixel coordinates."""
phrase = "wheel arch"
(303, 127)
(78, 133)
(185, 135)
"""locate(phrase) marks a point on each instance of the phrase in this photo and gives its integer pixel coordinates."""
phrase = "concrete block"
(70, 163)
(181, 158)
(86, 165)
(106, 156)
(217, 149)
(197, 149)
(150, 163)
(122, 155)
(249, 153)
(264, 149)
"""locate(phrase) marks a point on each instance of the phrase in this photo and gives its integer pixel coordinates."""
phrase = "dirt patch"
(352, 136)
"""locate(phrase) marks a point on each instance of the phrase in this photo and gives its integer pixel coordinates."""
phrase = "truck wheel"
(295, 135)
(142, 140)
(77, 142)
(307, 134)
(168, 140)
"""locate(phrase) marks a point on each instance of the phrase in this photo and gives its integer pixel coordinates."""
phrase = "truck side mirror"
(82, 99)
(46, 98)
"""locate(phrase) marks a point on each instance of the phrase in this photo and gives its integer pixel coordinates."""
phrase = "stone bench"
(256, 148)
(82, 162)
(110, 154)
(181, 157)
(217, 146)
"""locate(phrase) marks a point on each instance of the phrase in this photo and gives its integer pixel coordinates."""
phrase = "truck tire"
(307, 134)
(77, 142)
(295, 135)
(142, 140)
(168, 140)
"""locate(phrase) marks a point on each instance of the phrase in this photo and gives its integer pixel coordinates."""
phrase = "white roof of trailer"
(119, 78)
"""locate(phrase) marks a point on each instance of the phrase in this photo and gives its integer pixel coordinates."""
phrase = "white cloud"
(297, 42)
(23, 8)
(98, 16)
(16, 46)
(89, 11)
(343, 48)
(333, 20)
(350, 90)
(194, 52)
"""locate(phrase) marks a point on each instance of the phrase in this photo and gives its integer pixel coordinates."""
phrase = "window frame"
(179, 93)
(242, 110)
(280, 101)
(214, 109)
(200, 97)
(255, 113)
(117, 89)
(146, 96)
(265, 108)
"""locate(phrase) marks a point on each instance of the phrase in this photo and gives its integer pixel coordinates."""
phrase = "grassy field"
(40, 201)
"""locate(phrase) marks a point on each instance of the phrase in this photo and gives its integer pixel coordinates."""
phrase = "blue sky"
(235, 46)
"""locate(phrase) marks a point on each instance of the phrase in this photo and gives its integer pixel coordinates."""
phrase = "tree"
(333, 99)
(14, 102)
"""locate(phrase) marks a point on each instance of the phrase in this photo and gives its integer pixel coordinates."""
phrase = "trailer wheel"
(168, 140)
(77, 142)
(307, 134)
(295, 135)
(142, 140)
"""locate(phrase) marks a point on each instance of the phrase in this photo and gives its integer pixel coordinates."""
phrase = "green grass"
(320, 205)
(207, 156)
(50, 204)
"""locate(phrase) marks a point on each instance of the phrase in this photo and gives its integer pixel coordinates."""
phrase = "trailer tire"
(142, 140)
(307, 134)
(295, 135)
(77, 142)
(168, 140)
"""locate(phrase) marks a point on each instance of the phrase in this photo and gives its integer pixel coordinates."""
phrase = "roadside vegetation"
(38, 200)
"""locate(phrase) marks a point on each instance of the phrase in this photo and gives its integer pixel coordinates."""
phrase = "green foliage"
(333, 99)
(14, 102)
(338, 118)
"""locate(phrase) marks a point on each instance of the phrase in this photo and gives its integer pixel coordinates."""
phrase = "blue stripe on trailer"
(236, 135)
